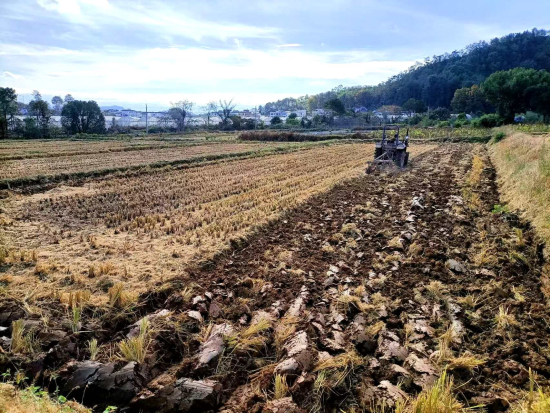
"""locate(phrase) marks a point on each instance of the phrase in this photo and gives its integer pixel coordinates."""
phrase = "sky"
(130, 53)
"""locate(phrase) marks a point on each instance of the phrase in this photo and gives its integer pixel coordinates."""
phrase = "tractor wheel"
(400, 159)
(377, 152)
(406, 158)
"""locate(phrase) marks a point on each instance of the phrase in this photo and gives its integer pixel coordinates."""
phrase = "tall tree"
(69, 98)
(506, 91)
(414, 106)
(538, 96)
(336, 106)
(36, 96)
(470, 100)
(79, 116)
(8, 109)
(57, 103)
(226, 109)
(211, 110)
(40, 111)
(179, 111)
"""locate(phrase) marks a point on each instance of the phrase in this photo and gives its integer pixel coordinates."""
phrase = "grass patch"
(135, 348)
(33, 399)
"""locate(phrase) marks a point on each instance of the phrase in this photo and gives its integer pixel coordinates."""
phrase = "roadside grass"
(522, 162)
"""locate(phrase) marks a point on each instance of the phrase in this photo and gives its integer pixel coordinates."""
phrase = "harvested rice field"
(80, 163)
(278, 282)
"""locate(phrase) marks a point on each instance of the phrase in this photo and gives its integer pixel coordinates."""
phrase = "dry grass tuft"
(345, 301)
(22, 342)
(375, 329)
(437, 290)
(339, 367)
(93, 349)
(504, 320)
(251, 339)
(135, 348)
(286, 327)
(119, 298)
(536, 400)
(281, 387)
(465, 362)
(438, 398)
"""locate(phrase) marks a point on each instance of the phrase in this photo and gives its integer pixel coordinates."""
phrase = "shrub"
(488, 121)
(499, 136)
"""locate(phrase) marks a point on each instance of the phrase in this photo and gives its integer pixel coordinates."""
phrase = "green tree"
(57, 103)
(36, 96)
(336, 106)
(8, 109)
(40, 111)
(292, 116)
(69, 98)
(470, 100)
(236, 121)
(440, 114)
(506, 90)
(179, 111)
(538, 96)
(79, 116)
(414, 106)
(292, 121)
(275, 120)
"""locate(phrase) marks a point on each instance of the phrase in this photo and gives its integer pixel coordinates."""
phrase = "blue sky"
(130, 53)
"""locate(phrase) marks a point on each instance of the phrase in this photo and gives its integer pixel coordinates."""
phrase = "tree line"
(77, 116)
(435, 80)
(86, 117)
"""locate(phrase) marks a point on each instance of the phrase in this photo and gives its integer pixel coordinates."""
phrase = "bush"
(499, 136)
(426, 122)
(444, 124)
(532, 117)
(487, 121)
(415, 120)
(440, 114)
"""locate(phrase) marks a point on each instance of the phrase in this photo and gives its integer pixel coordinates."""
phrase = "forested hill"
(436, 80)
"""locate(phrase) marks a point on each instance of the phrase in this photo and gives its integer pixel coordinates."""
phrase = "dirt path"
(358, 298)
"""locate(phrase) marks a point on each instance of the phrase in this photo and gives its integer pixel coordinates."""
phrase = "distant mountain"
(436, 79)
(113, 107)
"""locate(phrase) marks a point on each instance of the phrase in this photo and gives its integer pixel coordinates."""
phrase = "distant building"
(129, 112)
(279, 113)
(321, 112)
(360, 109)
(301, 113)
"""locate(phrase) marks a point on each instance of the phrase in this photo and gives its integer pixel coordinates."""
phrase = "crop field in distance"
(88, 162)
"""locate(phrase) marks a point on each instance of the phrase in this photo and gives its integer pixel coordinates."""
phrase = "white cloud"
(289, 45)
(69, 7)
(113, 72)
(161, 18)
(11, 75)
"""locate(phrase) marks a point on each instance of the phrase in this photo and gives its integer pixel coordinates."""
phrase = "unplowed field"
(285, 283)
